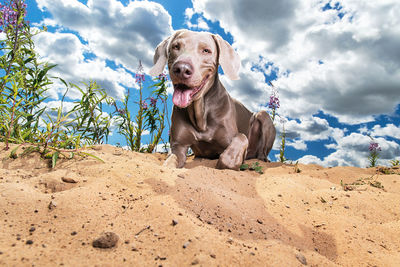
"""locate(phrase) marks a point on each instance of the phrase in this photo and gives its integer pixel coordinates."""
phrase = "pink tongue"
(181, 98)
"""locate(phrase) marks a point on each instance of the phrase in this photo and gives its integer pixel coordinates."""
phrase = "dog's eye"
(206, 51)
(176, 46)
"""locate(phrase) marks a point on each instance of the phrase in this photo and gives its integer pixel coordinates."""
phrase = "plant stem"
(14, 50)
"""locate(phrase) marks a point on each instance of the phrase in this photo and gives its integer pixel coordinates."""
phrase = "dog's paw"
(227, 162)
(234, 154)
(171, 161)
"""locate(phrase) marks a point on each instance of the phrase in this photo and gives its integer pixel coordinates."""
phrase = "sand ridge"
(197, 215)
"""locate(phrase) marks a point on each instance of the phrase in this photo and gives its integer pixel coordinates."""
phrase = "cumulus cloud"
(67, 51)
(200, 22)
(352, 150)
(338, 57)
(308, 129)
(389, 130)
(123, 34)
(102, 40)
(249, 89)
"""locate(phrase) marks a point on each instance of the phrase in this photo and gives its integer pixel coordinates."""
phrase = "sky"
(335, 64)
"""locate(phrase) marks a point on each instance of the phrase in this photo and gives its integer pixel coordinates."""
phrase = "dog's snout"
(183, 70)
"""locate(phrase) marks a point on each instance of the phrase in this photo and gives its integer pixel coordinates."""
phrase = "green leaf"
(54, 159)
(29, 150)
(244, 167)
(91, 155)
(13, 153)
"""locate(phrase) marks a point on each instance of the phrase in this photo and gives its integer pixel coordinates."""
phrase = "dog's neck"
(197, 110)
(197, 115)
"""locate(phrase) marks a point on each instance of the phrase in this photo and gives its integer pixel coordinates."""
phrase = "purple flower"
(153, 101)
(140, 74)
(373, 147)
(121, 111)
(10, 13)
(139, 78)
(273, 102)
(144, 105)
(163, 76)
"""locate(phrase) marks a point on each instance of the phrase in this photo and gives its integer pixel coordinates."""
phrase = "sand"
(155, 216)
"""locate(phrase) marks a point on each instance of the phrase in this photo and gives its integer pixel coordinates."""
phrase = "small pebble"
(68, 180)
(32, 229)
(186, 244)
(52, 205)
(174, 222)
(74, 233)
(106, 240)
(301, 258)
(29, 242)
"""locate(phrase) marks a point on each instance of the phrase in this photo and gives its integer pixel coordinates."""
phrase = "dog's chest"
(211, 143)
(207, 149)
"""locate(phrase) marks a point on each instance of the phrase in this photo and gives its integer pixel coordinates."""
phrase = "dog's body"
(205, 117)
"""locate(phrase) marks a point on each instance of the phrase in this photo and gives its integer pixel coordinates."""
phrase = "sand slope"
(195, 216)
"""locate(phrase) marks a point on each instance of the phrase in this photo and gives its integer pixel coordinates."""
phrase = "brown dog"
(205, 117)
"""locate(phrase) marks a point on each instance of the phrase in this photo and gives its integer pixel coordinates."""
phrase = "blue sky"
(335, 64)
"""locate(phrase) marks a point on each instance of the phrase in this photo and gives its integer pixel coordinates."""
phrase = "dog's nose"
(183, 70)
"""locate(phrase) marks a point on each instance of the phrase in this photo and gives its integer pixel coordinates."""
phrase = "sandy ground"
(197, 215)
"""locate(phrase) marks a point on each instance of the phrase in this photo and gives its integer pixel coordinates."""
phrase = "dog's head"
(193, 59)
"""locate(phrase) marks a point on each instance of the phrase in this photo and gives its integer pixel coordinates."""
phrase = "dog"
(205, 117)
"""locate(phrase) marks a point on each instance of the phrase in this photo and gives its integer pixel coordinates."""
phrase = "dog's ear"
(161, 54)
(228, 58)
(160, 58)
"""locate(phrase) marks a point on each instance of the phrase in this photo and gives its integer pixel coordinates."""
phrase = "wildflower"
(163, 76)
(121, 111)
(139, 78)
(10, 14)
(153, 101)
(273, 102)
(144, 105)
(373, 147)
(140, 74)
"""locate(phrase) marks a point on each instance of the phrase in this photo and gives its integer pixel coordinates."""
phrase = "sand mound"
(139, 212)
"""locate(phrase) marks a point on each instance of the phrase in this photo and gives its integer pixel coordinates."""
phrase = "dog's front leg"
(234, 154)
(177, 157)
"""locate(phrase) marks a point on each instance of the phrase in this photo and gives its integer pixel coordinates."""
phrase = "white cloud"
(189, 13)
(297, 144)
(344, 61)
(107, 42)
(200, 22)
(352, 150)
(123, 34)
(389, 130)
(310, 159)
(308, 129)
(249, 89)
(66, 50)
